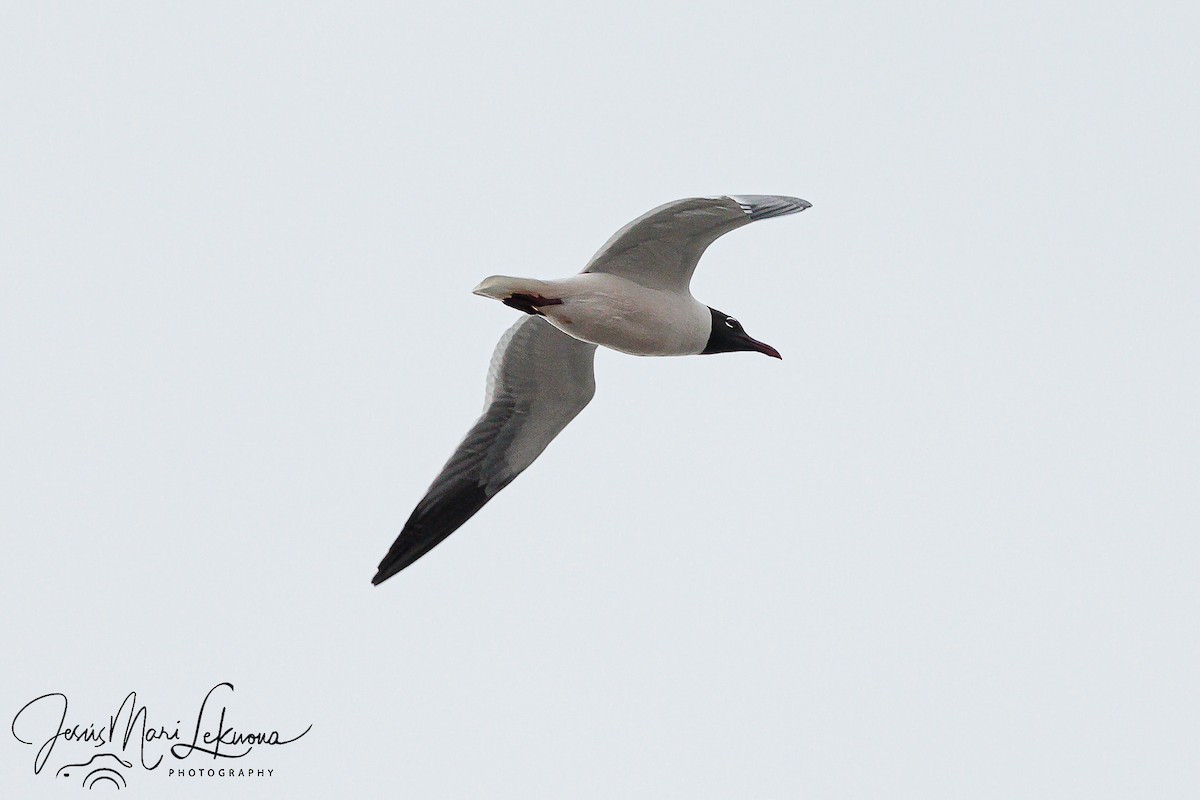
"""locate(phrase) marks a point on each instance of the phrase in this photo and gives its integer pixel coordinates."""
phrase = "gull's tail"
(502, 287)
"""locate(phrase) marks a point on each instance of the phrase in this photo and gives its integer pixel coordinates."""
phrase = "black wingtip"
(766, 206)
(408, 548)
(396, 562)
(431, 522)
(397, 559)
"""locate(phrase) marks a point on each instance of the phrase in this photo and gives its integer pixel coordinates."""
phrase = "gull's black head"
(728, 336)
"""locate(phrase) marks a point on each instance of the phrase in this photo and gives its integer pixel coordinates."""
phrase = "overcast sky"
(946, 548)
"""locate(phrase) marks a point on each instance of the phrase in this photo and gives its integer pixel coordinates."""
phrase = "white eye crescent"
(731, 322)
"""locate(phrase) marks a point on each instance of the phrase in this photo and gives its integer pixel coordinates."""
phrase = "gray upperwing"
(661, 248)
(539, 380)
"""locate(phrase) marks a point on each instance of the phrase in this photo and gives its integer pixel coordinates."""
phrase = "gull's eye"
(731, 322)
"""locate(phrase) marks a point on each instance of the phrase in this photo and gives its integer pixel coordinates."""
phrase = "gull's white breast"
(616, 312)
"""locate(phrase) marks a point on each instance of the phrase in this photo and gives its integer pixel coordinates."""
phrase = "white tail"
(502, 287)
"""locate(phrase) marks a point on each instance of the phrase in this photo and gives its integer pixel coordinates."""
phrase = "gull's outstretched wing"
(539, 379)
(660, 248)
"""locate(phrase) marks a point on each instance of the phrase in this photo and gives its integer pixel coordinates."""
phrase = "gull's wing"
(660, 248)
(539, 379)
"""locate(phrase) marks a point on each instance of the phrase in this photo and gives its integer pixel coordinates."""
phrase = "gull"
(633, 297)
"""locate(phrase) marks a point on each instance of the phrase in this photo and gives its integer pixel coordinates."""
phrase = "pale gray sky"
(946, 548)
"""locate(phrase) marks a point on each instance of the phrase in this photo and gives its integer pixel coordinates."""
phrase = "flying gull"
(633, 296)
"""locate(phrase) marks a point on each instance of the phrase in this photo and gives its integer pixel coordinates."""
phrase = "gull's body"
(615, 312)
(634, 297)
